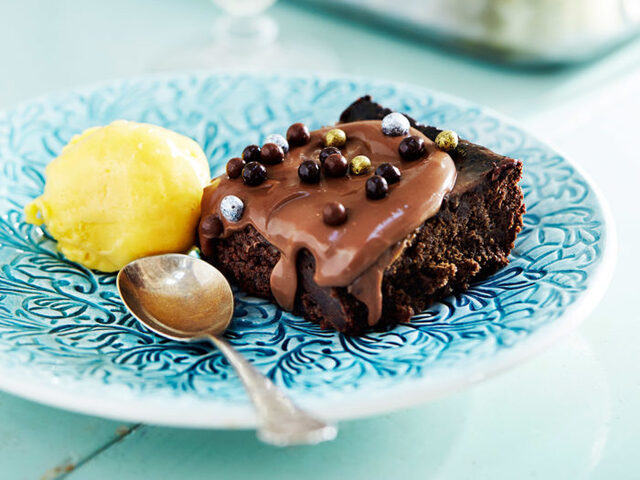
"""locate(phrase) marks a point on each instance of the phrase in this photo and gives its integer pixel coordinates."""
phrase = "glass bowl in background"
(533, 32)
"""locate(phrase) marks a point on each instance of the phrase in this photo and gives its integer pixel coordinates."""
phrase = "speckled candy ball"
(335, 138)
(395, 124)
(447, 140)
(278, 140)
(360, 164)
(231, 208)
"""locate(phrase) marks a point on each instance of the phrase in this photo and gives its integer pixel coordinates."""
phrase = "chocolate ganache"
(355, 253)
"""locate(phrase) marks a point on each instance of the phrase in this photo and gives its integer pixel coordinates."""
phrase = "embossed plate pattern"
(66, 339)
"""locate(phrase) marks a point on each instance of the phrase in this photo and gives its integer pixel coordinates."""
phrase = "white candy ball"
(278, 140)
(231, 208)
(395, 124)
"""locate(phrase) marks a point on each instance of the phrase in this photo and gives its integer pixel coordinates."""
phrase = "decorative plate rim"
(112, 401)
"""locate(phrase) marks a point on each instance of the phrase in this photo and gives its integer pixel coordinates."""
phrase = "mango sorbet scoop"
(121, 192)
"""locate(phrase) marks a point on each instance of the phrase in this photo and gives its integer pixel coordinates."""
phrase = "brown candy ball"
(251, 153)
(309, 171)
(254, 174)
(234, 167)
(336, 165)
(377, 187)
(298, 134)
(325, 152)
(389, 172)
(412, 148)
(334, 214)
(211, 226)
(271, 154)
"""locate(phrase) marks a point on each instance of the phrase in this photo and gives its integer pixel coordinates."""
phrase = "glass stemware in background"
(244, 24)
(245, 37)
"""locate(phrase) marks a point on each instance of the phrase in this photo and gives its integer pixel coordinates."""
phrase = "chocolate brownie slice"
(469, 238)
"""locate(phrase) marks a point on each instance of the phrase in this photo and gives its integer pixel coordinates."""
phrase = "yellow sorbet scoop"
(122, 192)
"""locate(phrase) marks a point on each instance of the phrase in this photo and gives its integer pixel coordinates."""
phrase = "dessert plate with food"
(386, 244)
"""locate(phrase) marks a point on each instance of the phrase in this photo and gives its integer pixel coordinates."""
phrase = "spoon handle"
(281, 422)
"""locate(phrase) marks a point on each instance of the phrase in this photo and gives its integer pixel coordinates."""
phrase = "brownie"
(467, 240)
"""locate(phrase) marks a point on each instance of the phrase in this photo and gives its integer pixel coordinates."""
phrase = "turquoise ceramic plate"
(66, 339)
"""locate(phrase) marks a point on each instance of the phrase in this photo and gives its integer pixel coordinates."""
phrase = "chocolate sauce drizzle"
(288, 212)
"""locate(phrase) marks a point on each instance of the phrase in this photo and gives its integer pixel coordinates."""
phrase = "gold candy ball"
(335, 138)
(360, 164)
(447, 140)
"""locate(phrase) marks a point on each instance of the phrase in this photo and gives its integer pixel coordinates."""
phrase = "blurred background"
(568, 70)
(67, 42)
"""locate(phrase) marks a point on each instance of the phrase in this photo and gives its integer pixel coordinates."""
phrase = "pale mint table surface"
(571, 413)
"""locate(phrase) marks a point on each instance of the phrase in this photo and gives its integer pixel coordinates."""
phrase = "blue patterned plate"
(66, 339)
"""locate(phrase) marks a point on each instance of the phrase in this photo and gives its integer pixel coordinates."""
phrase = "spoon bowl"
(177, 296)
(186, 299)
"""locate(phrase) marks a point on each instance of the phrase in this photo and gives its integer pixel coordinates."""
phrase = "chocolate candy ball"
(309, 171)
(278, 140)
(251, 153)
(395, 124)
(254, 174)
(335, 138)
(211, 226)
(377, 187)
(271, 154)
(298, 134)
(360, 164)
(412, 148)
(336, 165)
(334, 214)
(447, 140)
(232, 208)
(234, 167)
(389, 172)
(325, 152)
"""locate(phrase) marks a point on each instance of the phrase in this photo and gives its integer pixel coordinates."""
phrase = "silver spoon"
(186, 299)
